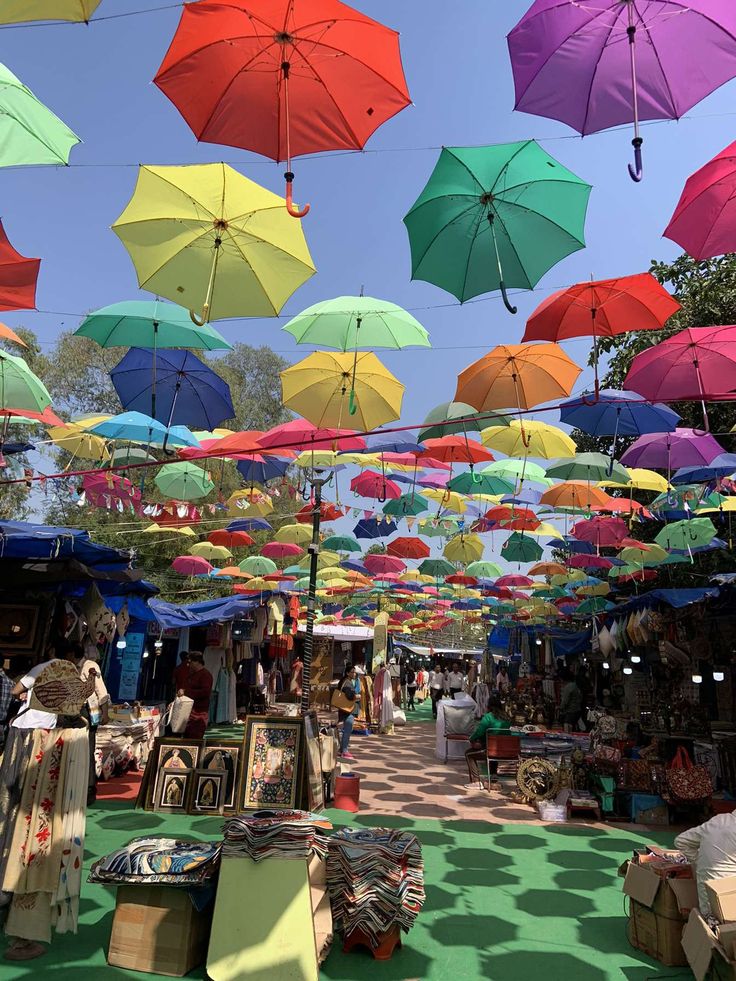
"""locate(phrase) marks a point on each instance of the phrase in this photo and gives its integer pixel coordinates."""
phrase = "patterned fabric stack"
(159, 861)
(376, 881)
(276, 834)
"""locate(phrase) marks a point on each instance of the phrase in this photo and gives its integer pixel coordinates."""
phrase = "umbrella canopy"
(325, 387)
(576, 495)
(374, 528)
(437, 568)
(31, 134)
(408, 505)
(149, 323)
(302, 435)
(686, 535)
(342, 543)
(209, 237)
(606, 532)
(18, 276)
(183, 482)
(20, 389)
(639, 479)
(464, 548)
(258, 565)
(125, 455)
(517, 376)
(408, 548)
(519, 547)
(191, 565)
(352, 322)
(79, 444)
(523, 469)
(547, 569)
(483, 569)
(616, 413)
(530, 438)
(210, 552)
(281, 550)
(669, 451)
(588, 466)
(294, 534)
(187, 391)
(260, 469)
(382, 564)
(376, 485)
(493, 217)
(572, 61)
(447, 500)
(230, 539)
(139, 428)
(440, 420)
(314, 76)
(22, 11)
(703, 221)
(480, 483)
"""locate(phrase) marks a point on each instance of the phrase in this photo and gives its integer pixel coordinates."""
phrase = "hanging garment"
(222, 697)
(232, 698)
(276, 613)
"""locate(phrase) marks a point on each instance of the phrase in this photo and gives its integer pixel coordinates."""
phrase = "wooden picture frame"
(188, 751)
(314, 781)
(208, 790)
(227, 762)
(272, 766)
(19, 627)
(173, 791)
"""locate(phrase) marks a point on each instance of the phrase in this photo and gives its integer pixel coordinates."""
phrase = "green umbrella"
(303, 583)
(126, 455)
(480, 483)
(595, 604)
(588, 466)
(678, 498)
(32, 134)
(515, 468)
(149, 323)
(258, 565)
(442, 528)
(552, 592)
(408, 505)
(19, 387)
(521, 548)
(495, 216)
(686, 535)
(352, 322)
(342, 543)
(483, 570)
(183, 482)
(438, 422)
(439, 568)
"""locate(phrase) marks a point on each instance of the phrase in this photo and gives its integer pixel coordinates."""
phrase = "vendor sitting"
(493, 721)
(711, 850)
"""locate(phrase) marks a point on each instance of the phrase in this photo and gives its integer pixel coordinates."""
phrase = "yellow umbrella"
(641, 479)
(336, 390)
(651, 555)
(89, 420)
(22, 11)
(250, 503)
(544, 530)
(448, 500)
(728, 505)
(598, 589)
(156, 528)
(537, 439)
(574, 575)
(324, 561)
(206, 237)
(293, 534)
(78, 443)
(464, 548)
(213, 553)
(260, 585)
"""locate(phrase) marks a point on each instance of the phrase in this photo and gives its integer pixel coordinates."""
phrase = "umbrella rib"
(434, 238)
(515, 250)
(597, 65)
(470, 253)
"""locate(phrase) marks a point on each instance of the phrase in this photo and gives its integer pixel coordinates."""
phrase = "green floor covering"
(504, 902)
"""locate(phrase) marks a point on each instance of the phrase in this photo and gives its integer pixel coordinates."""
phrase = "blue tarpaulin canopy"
(171, 616)
(24, 540)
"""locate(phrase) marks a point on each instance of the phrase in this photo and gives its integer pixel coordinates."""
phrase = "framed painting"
(208, 792)
(313, 760)
(169, 753)
(224, 757)
(19, 626)
(173, 790)
(272, 762)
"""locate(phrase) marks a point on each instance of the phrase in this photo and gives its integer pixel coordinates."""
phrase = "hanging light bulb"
(697, 679)
(606, 665)
(719, 676)
(635, 659)
(158, 644)
(628, 670)
(146, 654)
(121, 644)
(539, 641)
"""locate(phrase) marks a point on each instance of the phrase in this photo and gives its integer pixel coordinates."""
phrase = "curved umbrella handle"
(506, 301)
(476, 477)
(352, 407)
(636, 172)
(205, 316)
(294, 212)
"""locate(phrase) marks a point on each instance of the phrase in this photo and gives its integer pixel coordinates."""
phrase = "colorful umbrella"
(209, 237)
(639, 479)
(447, 500)
(352, 322)
(408, 548)
(615, 413)
(520, 548)
(587, 466)
(382, 564)
(602, 308)
(302, 435)
(191, 565)
(323, 390)
(18, 276)
(78, 443)
(572, 494)
(613, 62)
(669, 451)
(210, 552)
(139, 428)
(375, 528)
(375, 485)
(464, 548)
(457, 417)
(313, 76)
(437, 568)
(230, 539)
(22, 11)
(455, 449)
(183, 482)
(495, 216)
(686, 535)
(547, 569)
(480, 483)
(517, 376)
(31, 133)
(149, 323)
(408, 505)
(259, 469)
(342, 543)
(703, 222)
(294, 534)
(531, 438)
(20, 389)
(603, 532)
(281, 550)
(522, 469)
(257, 565)
(483, 569)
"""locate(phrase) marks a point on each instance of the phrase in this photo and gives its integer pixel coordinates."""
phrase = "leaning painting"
(271, 767)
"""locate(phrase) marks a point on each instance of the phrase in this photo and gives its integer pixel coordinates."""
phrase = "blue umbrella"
(254, 472)
(615, 413)
(139, 428)
(187, 391)
(384, 445)
(723, 465)
(355, 566)
(373, 528)
(249, 524)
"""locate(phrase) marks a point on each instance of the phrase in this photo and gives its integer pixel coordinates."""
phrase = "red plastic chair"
(502, 748)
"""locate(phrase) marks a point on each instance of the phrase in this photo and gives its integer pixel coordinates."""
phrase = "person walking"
(411, 689)
(347, 688)
(198, 687)
(436, 687)
(455, 680)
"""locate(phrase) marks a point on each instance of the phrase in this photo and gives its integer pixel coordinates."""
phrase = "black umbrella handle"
(636, 172)
(506, 302)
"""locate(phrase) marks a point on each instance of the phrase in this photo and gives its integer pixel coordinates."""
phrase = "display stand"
(273, 938)
(390, 940)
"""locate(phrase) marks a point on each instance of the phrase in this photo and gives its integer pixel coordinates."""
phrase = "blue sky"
(98, 79)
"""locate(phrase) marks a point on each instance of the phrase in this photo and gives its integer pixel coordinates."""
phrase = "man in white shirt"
(436, 687)
(455, 680)
(711, 849)
(28, 718)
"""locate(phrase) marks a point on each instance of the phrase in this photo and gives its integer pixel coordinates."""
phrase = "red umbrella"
(641, 575)
(704, 222)
(18, 277)
(281, 550)
(607, 532)
(48, 417)
(230, 539)
(455, 449)
(408, 548)
(602, 308)
(283, 77)
(328, 512)
(590, 561)
(372, 484)
(514, 580)
(302, 435)
(191, 565)
(379, 565)
(458, 579)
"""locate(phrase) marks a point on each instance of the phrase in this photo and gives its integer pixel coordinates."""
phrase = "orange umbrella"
(10, 335)
(517, 376)
(575, 494)
(548, 569)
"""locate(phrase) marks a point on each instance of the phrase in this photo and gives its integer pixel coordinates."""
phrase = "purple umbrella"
(572, 62)
(669, 451)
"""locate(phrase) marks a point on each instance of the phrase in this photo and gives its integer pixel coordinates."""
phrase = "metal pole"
(317, 484)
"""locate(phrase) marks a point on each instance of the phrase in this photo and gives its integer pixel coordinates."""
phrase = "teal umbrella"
(588, 466)
(439, 421)
(408, 505)
(495, 216)
(686, 535)
(342, 543)
(480, 483)
(595, 604)
(31, 133)
(258, 565)
(439, 568)
(149, 323)
(521, 548)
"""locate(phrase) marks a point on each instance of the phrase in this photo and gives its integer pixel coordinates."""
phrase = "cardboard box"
(727, 939)
(659, 911)
(705, 952)
(157, 930)
(722, 897)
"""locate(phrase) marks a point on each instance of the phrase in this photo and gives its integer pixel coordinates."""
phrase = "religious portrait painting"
(208, 792)
(224, 757)
(173, 790)
(272, 761)
(170, 755)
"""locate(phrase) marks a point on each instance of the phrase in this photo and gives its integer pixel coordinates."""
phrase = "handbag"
(685, 780)
(639, 776)
(340, 700)
(181, 709)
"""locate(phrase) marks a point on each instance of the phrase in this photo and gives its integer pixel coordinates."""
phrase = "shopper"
(198, 687)
(96, 711)
(181, 672)
(347, 687)
(6, 699)
(394, 672)
(493, 721)
(455, 680)
(571, 701)
(711, 849)
(503, 682)
(436, 687)
(411, 689)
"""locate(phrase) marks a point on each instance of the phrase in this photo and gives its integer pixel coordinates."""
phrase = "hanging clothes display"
(276, 613)
(222, 696)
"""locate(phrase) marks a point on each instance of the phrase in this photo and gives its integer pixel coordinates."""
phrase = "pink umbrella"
(704, 222)
(589, 562)
(191, 565)
(378, 564)
(669, 451)
(281, 550)
(376, 485)
(607, 532)
(302, 435)
(514, 580)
